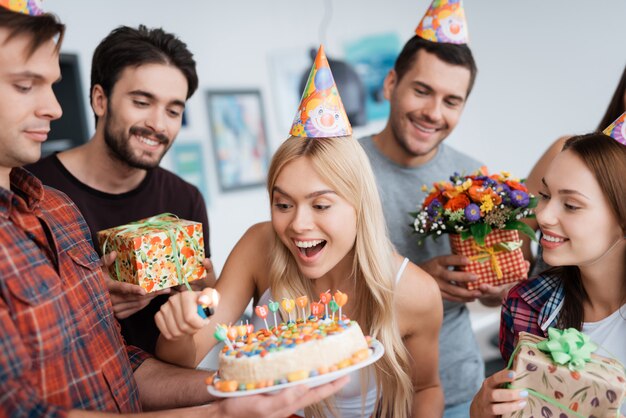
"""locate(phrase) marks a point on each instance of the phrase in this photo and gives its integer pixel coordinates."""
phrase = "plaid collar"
(26, 193)
(545, 295)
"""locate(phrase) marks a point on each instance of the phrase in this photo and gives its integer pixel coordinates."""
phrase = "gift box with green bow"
(564, 378)
(156, 253)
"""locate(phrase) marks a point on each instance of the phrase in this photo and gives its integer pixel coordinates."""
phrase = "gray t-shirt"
(461, 367)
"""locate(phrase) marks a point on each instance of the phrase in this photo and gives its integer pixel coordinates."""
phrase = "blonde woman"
(327, 232)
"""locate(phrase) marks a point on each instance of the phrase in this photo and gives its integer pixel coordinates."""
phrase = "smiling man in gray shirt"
(427, 91)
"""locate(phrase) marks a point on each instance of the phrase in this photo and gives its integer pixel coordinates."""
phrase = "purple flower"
(519, 198)
(502, 188)
(472, 212)
(434, 207)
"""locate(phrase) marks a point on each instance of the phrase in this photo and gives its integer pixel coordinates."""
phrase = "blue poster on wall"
(188, 162)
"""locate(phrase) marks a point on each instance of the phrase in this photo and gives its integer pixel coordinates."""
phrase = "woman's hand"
(179, 317)
(492, 400)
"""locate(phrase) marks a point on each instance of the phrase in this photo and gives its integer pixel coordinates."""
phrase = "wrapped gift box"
(149, 250)
(597, 390)
(493, 263)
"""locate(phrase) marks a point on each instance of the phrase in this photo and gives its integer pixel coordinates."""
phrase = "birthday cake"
(288, 352)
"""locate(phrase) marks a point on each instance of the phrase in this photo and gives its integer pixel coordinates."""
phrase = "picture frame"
(239, 137)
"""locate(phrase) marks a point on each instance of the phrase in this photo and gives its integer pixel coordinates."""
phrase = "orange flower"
(431, 197)
(459, 202)
(516, 185)
(155, 240)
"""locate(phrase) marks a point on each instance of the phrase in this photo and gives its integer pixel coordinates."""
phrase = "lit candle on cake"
(302, 301)
(261, 312)
(274, 308)
(288, 306)
(341, 299)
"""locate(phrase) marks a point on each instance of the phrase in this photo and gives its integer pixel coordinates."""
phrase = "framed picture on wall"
(239, 137)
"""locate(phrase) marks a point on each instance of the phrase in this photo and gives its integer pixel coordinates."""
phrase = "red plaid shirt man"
(61, 346)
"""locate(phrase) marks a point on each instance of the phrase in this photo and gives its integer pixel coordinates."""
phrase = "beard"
(119, 147)
(401, 140)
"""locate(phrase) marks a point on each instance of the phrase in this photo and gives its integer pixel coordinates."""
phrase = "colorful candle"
(317, 309)
(302, 301)
(288, 306)
(333, 307)
(325, 299)
(221, 334)
(341, 299)
(274, 308)
(261, 312)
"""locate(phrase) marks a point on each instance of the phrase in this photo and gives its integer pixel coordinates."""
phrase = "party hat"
(27, 7)
(444, 22)
(617, 130)
(321, 113)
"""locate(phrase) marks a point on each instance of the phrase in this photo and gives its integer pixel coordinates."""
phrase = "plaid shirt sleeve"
(17, 397)
(517, 315)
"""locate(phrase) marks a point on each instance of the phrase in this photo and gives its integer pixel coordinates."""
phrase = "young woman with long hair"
(582, 216)
(327, 231)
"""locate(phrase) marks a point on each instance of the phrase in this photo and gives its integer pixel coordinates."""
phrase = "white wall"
(546, 68)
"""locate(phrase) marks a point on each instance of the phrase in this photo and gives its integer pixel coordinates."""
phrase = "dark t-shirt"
(160, 191)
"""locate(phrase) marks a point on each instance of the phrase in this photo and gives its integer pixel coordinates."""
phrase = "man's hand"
(448, 280)
(494, 295)
(127, 298)
(280, 405)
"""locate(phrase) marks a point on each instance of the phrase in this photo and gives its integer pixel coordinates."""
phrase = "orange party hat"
(321, 113)
(617, 130)
(27, 7)
(444, 22)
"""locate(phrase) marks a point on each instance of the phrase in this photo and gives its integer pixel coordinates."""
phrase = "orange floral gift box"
(156, 253)
(564, 379)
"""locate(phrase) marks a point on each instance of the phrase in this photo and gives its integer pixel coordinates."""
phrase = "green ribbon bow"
(569, 346)
(162, 222)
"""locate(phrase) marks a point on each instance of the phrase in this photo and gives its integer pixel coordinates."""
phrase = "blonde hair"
(343, 165)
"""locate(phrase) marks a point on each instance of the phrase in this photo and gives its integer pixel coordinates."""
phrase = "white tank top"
(348, 401)
(610, 334)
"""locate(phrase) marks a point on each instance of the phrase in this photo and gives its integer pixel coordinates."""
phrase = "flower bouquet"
(482, 213)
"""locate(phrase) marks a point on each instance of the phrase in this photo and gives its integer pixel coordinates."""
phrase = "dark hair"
(606, 158)
(450, 53)
(130, 47)
(616, 106)
(40, 28)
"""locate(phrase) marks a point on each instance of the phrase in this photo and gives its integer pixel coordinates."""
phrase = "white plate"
(311, 382)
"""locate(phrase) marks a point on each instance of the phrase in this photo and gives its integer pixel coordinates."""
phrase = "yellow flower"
(487, 204)
(506, 174)
(424, 188)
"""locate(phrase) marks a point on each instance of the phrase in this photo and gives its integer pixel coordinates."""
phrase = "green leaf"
(479, 232)
(466, 234)
(532, 203)
(522, 227)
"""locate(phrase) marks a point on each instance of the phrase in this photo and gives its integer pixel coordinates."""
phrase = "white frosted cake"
(290, 352)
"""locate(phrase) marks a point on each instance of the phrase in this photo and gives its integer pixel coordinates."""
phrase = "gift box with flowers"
(564, 378)
(156, 253)
(482, 215)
